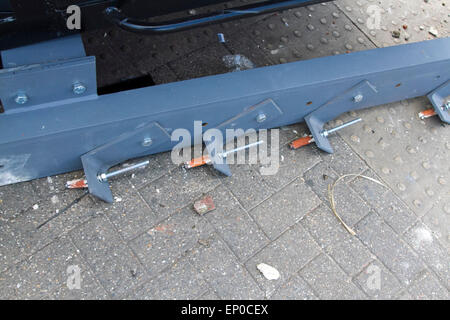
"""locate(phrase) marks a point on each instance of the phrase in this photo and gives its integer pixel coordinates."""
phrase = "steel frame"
(58, 127)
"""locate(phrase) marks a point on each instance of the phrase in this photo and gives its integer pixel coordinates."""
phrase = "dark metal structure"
(28, 21)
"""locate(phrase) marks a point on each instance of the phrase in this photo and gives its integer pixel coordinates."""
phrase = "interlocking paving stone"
(181, 281)
(344, 160)
(417, 16)
(421, 239)
(369, 190)
(328, 281)
(111, 260)
(439, 223)
(350, 206)
(129, 213)
(162, 74)
(90, 290)
(9, 248)
(165, 243)
(428, 287)
(174, 191)
(309, 32)
(319, 177)
(16, 198)
(45, 273)
(209, 296)
(389, 248)
(410, 155)
(285, 208)
(395, 212)
(247, 185)
(234, 225)
(324, 227)
(351, 255)
(288, 254)
(195, 65)
(345, 249)
(159, 165)
(39, 226)
(383, 288)
(386, 203)
(242, 44)
(226, 276)
(293, 163)
(295, 289)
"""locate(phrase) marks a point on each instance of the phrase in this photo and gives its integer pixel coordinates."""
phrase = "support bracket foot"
(129, 145)
(440, 101)
(358, 97)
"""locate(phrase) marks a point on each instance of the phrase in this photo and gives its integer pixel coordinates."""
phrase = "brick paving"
(151, 244)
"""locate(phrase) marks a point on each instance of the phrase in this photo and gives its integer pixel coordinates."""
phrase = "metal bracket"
(257, 116)
(136, 143)
(353, 99)
(46, 75)
(439, 99)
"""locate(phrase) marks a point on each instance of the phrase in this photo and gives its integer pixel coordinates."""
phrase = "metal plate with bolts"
(137, 142)
(254, 117)
(440, 98)
(356, 98)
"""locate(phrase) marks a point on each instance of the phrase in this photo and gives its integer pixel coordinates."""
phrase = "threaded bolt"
(147, 142)
(358, 98)
(261, 118)
(21, 98)
(79, 88)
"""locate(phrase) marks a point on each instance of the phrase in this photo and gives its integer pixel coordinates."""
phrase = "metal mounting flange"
(358, 97)
(440, 103)
(137, 143)
(258, 116)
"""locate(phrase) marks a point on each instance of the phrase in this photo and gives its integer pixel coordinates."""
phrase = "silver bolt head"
(21, 98)
(358, 98)
(103, 177)
(79, 88)
(261, 118)
(447, 106)
(147, 142)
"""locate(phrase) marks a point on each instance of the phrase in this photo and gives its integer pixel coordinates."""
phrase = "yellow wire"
(331, 188)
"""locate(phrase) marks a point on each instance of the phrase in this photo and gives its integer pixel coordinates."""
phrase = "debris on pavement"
(269, 272)
(396, 34)
(331, 188)
(77, 184)
(433, 31)
(221, 37)
(204, 205)
(204, 243)
(429, 113)
(237, 62)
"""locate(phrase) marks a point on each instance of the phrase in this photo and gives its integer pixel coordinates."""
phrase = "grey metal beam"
(39, 138)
